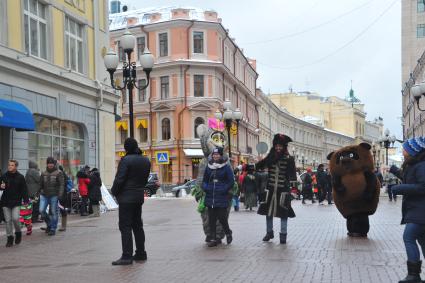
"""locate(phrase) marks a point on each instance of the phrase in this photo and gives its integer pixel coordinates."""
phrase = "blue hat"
(414, 146)
(218, 150)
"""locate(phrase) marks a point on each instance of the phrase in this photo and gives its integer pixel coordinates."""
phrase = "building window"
(61, 139)
(73, 45)
(420, 32)
(198, 121)
(163, 44)
(142, 93)
(142, 126)
(166, 129)
(140, 46)
(198, 42)
(123, 135)
(165, 87)
(35, 26)
(121, 53)
(198, 87)
(421, 6)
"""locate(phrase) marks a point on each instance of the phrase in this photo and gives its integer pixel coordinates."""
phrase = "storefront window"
(62, 140)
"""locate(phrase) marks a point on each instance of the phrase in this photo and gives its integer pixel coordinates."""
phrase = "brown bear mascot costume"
(355, 186)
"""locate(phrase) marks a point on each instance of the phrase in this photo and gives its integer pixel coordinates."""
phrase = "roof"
(119, 20)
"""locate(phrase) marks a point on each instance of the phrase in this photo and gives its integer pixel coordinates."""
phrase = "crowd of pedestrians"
(41, 197)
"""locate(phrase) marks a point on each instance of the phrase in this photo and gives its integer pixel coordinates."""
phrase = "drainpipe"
(180, 115)
(222, 50)
(150, 97)
(98, 105)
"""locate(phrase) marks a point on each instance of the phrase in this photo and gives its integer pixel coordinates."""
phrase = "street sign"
(162, 157)
(262, 148)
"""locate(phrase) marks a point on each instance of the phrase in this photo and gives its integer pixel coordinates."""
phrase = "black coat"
(131, 178)
(16, 190)
(94, 186)
(322, 181)
(281, 171)
(413, 191)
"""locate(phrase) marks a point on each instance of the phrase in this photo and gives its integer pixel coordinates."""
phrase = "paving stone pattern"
(318, 249)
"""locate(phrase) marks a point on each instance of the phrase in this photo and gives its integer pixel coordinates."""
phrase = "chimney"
(210, 16)
(179, 13)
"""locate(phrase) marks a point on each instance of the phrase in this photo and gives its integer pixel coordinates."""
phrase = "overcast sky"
(318, 46)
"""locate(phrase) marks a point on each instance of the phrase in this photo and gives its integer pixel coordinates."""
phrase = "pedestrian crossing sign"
(162, 157)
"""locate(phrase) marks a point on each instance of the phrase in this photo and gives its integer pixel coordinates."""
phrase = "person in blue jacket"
(217, 182)
(412, 189)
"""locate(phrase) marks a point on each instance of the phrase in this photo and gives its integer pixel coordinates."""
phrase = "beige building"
(332, 112)
(412, 60)
(311, 141)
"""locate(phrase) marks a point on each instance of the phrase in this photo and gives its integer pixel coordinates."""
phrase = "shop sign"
(122, 153)
(196, 160)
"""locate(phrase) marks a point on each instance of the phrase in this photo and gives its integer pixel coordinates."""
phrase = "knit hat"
(130, 145)
(218, 150)
(281, 139)
(414, 146)
(50, 160)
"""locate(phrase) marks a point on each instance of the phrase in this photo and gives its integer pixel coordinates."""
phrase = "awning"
(121, 125)
(15, 115)
(142, 123)
(193, 152)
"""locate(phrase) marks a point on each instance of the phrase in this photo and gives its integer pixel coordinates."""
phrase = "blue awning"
(15, 115)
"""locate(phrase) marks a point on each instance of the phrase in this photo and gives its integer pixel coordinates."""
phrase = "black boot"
(212, 243)
(282, 238)
(208, 238)
(9, 241)
(18, 238)
(140, 256)
(229, 237)
(413, 271)
(123, 261)
(268, 236)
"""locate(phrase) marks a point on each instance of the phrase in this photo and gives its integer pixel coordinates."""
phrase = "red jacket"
(82, 186)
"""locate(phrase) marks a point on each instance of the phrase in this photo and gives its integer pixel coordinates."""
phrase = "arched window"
(166, 129)
(198, 121)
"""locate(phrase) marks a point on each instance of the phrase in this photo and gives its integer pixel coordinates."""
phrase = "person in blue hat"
(412, 189)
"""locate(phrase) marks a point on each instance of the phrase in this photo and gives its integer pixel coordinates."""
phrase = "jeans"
(219, 213)
(235, 202)
(130, 220)
(283, 224)
(412, 233)
(50, 218)
(83, 207)
(11, 215)
(391, 195)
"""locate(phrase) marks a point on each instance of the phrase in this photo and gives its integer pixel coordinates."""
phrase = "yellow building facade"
(333, 112)
(51, 53)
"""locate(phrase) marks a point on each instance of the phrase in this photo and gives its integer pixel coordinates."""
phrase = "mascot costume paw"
(355, 186)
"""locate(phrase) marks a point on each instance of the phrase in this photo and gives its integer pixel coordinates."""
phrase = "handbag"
(201, 205)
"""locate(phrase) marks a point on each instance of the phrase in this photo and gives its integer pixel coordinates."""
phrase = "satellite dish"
(262, 148)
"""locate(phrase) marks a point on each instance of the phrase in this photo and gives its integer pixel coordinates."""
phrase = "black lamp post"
(387, 142)
(303, 160)
(128, 41)
(229, 116)
(374, 153)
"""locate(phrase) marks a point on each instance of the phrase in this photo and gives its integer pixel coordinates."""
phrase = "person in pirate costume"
(282, 171)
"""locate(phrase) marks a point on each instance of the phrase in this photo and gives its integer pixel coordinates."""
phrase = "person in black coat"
(413, 206)
(307, 187)
(14, 188)
(322, 183)
(95, 195)
(128, 188)
(281, 172)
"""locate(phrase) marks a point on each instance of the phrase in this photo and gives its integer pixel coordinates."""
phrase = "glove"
(393, 169)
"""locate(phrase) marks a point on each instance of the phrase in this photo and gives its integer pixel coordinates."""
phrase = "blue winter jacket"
(413, 191)
(217, 184)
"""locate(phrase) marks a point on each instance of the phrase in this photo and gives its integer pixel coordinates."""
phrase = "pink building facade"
(197, 67)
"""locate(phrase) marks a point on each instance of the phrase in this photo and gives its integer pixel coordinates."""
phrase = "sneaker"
(51, 233)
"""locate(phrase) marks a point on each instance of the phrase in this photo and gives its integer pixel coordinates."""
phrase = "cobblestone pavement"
(318, 249)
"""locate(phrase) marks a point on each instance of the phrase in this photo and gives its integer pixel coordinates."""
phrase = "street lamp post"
(229, 116)
(303, 160)
(387, 141)
(374, 153)
(128, 41)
